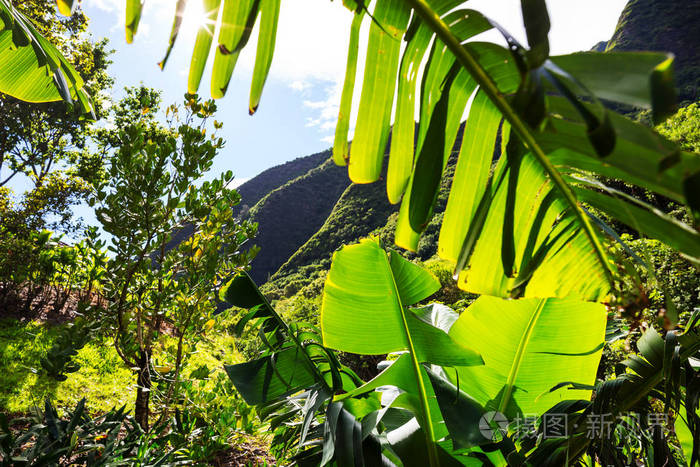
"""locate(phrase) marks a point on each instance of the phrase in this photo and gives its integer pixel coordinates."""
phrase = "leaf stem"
(425, 406)
(443, 32)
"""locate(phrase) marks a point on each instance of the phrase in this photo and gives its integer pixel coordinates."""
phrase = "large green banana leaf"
(365, 310)
(529, 346)
(33, 70)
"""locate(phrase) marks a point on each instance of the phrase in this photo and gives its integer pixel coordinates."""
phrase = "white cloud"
(300, 86)
(326, 110)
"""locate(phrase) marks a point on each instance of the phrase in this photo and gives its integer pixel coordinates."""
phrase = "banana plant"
(33, 69)
(453, 369)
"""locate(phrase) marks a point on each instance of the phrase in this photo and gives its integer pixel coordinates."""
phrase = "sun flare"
(193, 18)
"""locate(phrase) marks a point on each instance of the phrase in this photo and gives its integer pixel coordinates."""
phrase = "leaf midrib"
(423, 396)
(520, 355)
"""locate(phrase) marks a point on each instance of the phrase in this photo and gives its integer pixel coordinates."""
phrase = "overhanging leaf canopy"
(33, 69)
(547, 115)
(545, 111)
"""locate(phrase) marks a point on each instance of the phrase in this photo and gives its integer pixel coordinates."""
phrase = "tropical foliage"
(543, 164)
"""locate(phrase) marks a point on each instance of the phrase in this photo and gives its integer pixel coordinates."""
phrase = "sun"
(193, 18)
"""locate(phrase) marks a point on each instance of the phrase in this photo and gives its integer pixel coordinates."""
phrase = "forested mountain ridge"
(289, 214)
(256, 188)
(302, 223)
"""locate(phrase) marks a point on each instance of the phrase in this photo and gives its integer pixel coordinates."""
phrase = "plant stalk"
(425, 406)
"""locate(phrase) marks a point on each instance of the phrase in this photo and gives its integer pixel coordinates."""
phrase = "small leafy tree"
(45, 145)
(151, 287)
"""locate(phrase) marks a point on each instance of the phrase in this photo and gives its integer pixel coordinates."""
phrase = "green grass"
(102, 378)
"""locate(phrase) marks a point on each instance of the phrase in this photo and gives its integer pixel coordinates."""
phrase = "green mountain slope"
(257, 187)
(288, 215)
(360, 210)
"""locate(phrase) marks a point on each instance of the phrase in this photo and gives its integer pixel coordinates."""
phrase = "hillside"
(360, 210)
(257, 187)
(288, 215)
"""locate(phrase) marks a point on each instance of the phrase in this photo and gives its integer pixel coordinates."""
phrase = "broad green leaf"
(645, 219)
(537, 344)
(549, 253)
(374, 288)
(202, 45)
(437, 315)
(471, 175)
(640, 156)
(33, 69)
(498, 63)
(623, 77)
(177, 22)
(26, 76)
(235, 26)
(268, 378)
(133, 17)
(270, 10)
(340, 144)
(409, 443)
(381, 66)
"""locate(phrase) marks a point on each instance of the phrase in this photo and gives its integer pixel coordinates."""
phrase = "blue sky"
(299, 104)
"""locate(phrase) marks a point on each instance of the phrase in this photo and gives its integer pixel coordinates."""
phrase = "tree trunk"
(143, 390)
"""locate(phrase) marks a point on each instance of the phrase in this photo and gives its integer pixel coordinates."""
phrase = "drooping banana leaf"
(33, 70)
(374, 115)
(237, 20)
(572, 133)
